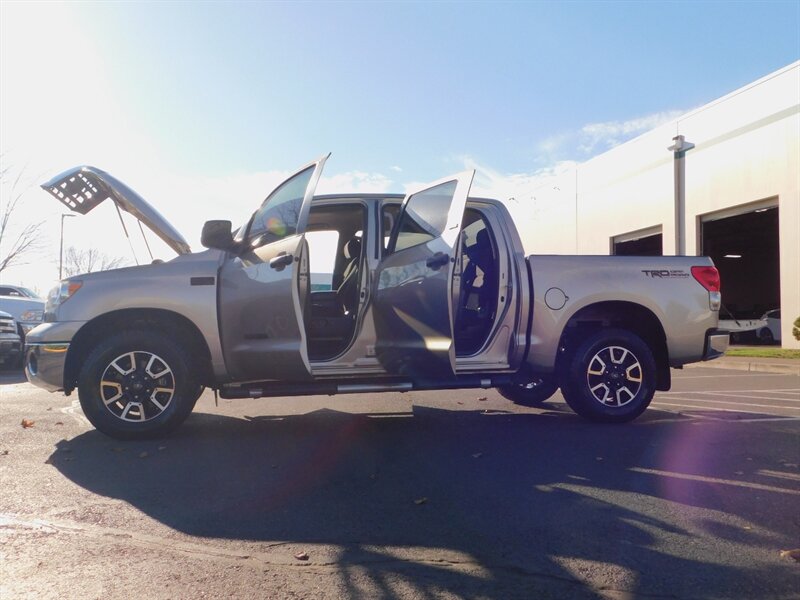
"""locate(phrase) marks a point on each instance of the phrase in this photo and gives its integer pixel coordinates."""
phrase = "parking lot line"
(657, 403)
(763, 397)
(708, 401)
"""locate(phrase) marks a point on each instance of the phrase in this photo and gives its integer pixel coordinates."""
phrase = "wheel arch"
(620, 314)
(174, 324)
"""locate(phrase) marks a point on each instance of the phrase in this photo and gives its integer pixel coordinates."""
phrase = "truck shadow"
(504, 505)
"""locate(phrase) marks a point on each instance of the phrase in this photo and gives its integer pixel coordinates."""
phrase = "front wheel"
(611, 377)
(531, 393)
(138, 385)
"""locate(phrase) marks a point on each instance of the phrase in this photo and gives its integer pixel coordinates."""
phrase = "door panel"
(264, 287)
(412, 306)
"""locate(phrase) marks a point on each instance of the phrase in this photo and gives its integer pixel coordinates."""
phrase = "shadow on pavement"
(518, 494)
(12, 376)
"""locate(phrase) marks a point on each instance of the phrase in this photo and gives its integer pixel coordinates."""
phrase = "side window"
(322, 247)
(278, 216)
(4, 291)
(425, 216)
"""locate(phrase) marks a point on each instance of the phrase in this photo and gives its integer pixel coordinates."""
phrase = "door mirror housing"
(217, 234)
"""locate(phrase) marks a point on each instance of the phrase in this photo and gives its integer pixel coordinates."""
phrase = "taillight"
(708, 277)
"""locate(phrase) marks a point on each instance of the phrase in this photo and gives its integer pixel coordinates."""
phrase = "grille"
(8, 326)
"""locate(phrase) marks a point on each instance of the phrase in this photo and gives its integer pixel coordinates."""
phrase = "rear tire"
(138, 385)
(532, 393)
(611, 377)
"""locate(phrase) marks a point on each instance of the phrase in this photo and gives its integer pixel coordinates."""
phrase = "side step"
(313, 388)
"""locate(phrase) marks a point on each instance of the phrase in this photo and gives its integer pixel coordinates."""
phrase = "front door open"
(264, 286)
(412, 302)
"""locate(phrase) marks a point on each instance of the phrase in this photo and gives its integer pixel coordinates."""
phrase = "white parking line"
(779, 390)
(727, 376)
(763, 397)
(736, 410)
(706, 400)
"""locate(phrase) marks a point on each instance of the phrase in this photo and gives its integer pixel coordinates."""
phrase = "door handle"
(437, 261)
(282, 260)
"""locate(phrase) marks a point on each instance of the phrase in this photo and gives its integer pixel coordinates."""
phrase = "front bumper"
(44, 365)
(717, 341)
(10, 348)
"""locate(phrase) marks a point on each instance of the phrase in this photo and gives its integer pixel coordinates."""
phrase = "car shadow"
(12, 376)
(532, 502)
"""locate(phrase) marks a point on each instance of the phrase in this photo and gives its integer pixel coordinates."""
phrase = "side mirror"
(217, 234)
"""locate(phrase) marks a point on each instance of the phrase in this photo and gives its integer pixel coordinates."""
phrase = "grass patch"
(762, 352)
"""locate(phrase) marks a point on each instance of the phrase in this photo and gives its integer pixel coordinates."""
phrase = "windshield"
(30, 293)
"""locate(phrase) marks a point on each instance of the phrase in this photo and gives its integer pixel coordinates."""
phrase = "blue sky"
(399, 92)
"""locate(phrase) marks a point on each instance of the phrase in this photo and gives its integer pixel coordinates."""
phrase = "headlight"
(32, 315)
(57, 296)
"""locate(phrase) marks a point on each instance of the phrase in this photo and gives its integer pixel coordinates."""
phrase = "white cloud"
(605, 135)
(594, 138)
(396, 169)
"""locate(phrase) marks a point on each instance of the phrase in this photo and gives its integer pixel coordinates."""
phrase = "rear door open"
(413, 284)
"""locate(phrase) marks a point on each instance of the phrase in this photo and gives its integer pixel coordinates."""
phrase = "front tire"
(138, 385)
(611, 377)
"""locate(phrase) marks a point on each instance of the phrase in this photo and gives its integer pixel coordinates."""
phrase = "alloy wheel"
(137, 386)
(614, 376)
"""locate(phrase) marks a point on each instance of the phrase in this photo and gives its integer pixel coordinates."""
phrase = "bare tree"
(27, 240)
(86, 261)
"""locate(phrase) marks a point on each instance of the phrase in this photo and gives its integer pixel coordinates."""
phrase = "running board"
(330, 388)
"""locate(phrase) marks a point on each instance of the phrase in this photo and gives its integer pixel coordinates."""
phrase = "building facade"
(741, 203)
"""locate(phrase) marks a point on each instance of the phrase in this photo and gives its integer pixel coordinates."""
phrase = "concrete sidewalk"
(785, 366)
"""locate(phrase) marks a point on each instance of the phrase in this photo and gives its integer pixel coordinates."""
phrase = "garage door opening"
(645, 242)
(745, 249)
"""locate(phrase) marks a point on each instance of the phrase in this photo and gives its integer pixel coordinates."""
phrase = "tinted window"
(278, 216)
(4, 291)
(425, 216)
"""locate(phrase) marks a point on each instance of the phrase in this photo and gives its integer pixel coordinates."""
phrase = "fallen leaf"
(59, 423)
(795, 554)
(482, 399)
(162, 447)
(49, 409)
(477, 455)
(301, 556)
(26, 423)
(459, 402)
(419, 501)
(143, 455)
(4, 453)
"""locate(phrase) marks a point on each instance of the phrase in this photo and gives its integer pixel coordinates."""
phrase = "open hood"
(82, 188)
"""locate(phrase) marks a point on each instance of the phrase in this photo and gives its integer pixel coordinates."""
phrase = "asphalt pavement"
(418, 495)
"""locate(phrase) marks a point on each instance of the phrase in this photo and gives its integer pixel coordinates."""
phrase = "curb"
(754, 366)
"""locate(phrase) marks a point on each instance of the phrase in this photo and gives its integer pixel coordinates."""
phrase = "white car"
(771, 332)
(23, 305)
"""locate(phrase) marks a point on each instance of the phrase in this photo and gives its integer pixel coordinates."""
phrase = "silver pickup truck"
(428, 291)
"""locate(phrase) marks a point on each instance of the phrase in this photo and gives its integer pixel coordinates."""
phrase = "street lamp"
(679, 150)
(61, 248)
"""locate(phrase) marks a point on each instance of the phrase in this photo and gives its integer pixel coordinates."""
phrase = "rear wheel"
(531, 393)
(611, 377)
(137, 385)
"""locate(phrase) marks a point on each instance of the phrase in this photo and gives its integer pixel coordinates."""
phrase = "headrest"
(352, 249)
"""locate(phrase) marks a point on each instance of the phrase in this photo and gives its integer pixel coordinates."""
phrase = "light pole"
(61, 248)
(679, 150)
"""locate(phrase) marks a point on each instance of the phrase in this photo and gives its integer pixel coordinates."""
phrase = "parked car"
(10, 342)
(429, 291)
(24, 305)
(771, 331)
